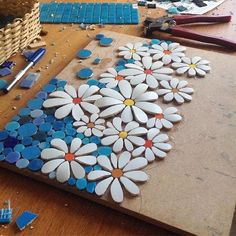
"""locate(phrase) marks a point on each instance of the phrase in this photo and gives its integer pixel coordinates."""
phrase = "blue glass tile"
(68, 119)
(121, 62)
(7, 150)
(92, 82)
(44, 145)
(2, 157)
(52, 175)
(72, 181)
(3, 135)
(155, 41)
(88, 169)
(35, 142)
(12, 157)
(81, 184)
(71, 131)
(11, 126)
(90, 188)
(22, 163)
(24, 111)
(51, 132)
(95, 153)
(80, 135)
(31, 152)
(85, 73)
(36, 113)
(69, 126)
(35, 165)
(58, 125)
(3, 84)
(95, 139)
(49, 139)
(19, 147)
(131, 61)
(4, 72)
(68, 139)
(49, 88)
(13, 134)
(27, 129)
(53, 81)
(106, 42)
(35, 103)
(42, 95)
(1, 147)
(61, 83)
(24, 119)
(10, 142)
(45, 127)
(85, 141)
(97, 167)
(101, 85)
(104, 150)
(59, 134)
(50, 118)
(40, 136)
(38, 121)
(99, 36)
(27, 141)
(15, 118)
(83, 54)
(119, 68)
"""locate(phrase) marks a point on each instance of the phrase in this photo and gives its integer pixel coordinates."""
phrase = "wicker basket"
(23, 30)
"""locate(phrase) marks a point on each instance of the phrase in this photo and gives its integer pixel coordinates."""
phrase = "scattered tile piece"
(85, 73)
(37, 44)
(84, 54)
(25, 219)
(30, 80)
(106, 41)
(97, 61)
(3, 84)
(8, 64)
(6, 214)
(99, 36)
(5, 71)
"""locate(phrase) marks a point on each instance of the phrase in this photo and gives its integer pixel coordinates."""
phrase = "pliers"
(170, 25)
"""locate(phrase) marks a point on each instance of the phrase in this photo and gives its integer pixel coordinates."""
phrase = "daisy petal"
(151, 108)
(102, 186)
(63, 172)
(138, 90)
(129, 185)
(98, 174)
(111, 93)
(140, 116)
(104, 162)
(128, 145)
(127, 115)
(60, 94)
(138, 151)
(90, 107)
(77, 112)
(88, 148)
(123, 160)
(109, 140)
(118, 145)
(50, 166)
(56, 102)
(136, 140)
(75, 145)
(107, 101)
(51, 153)
(136, 176)
(64, 111)
(116, 191)
(70, 90)
(59, 144)
(77, 170)
(135, 164)
(149, 155)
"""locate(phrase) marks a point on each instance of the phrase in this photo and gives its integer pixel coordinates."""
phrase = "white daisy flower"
(129, 102)
(117, 173)
(147, 71)
(68, 162)
(176, 90)
(133, 51)
(111, 78)
(167, 53)
(72, 101)
(164, 119)
(120, 137)
(193, 66)
(92, 125)
(155, 145)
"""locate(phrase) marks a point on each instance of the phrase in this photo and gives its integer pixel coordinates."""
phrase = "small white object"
(164, 119)
(167, 53)
(119, 172)
(155, 146)
(65, 162)
(72, 101)
(120, 137)
(133, 51)
(129, 102)
(193, 66)
(147, 71)
(175, 90)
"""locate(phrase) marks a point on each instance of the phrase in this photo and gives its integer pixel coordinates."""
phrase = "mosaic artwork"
(99, 137)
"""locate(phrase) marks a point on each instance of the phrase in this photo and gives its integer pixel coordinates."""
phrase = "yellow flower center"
(90, 125)
(117, 173)
(132, 50)
(193, 66)
(123, 134)
(129, 102)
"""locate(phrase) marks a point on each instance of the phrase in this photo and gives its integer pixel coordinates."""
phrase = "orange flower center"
(76, 100)
(167, 52)
(119, 78)
(117, 173)
(148, 72)
(148, 144)
(175, 90)
(90, 125)
(159, 116)
(69, 157)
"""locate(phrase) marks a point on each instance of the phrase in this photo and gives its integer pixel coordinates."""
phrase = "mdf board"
(193, 189)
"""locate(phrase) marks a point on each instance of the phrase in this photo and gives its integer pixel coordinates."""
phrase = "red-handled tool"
(169, 25)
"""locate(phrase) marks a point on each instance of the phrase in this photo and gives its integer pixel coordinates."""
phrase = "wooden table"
(62, 213)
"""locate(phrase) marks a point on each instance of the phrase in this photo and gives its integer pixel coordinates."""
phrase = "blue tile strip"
(89, 13)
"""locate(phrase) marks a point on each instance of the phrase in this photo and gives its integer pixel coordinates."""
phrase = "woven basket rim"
(20, 19)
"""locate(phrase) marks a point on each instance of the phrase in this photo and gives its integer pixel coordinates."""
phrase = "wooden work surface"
(62, 213)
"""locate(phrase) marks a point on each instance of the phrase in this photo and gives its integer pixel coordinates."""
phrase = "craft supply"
(32, 61)
(97, 61)
(6, 214)
(8, 64)
(4, 71)
(37, 44)
(30, 80)
(89, 13)
(170, 25)
(83, 54)
(3, 84)
(25, 219)
(105, 41)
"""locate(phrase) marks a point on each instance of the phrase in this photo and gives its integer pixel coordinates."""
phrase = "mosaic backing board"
(193, 190)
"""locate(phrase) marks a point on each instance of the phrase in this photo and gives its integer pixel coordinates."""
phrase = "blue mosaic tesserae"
(6, 214)
(25, 219)
(32, 129)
